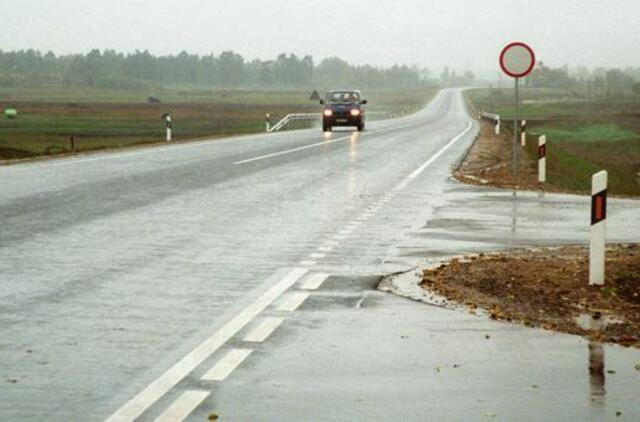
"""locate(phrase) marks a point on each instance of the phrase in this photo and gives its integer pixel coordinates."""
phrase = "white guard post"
(168, 122)
(498, 126)
(523, 133)
(598, 228)
(268, 122)
(542, 159)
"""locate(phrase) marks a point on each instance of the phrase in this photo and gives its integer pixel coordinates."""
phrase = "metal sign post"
(516, 60)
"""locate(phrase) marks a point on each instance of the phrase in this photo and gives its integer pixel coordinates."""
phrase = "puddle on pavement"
(597, 378)
(324, 302)
(596, 322)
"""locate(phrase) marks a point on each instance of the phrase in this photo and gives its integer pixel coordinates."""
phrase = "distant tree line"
(111, 69)
(581, 80)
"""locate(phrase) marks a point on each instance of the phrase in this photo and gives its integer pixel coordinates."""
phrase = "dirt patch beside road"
(489, 162)
(548, 288)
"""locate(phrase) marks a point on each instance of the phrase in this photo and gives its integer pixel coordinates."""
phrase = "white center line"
(150, 394)
(308, 263)
(264, 330)
(225, 366)
(293, 301)
(315, 281)
(317, 144)
(183, 406)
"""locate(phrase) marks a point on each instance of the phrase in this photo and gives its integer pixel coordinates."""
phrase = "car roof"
(344, 90)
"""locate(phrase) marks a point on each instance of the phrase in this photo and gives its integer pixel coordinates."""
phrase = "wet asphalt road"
(130, 277)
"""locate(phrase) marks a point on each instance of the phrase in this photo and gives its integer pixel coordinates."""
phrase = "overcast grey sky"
(433, 33)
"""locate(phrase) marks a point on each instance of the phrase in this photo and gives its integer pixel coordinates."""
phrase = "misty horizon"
(433, 34)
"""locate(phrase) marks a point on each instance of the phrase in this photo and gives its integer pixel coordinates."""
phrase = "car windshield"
(343, 97)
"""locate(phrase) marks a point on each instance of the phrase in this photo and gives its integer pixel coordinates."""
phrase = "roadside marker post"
(169, 123)
(542, 159)
(516, 60)
(498, 126)
(268, 122)
(598, 228)
(523, 133)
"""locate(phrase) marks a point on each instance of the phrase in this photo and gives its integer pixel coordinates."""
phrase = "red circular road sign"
(517, 59)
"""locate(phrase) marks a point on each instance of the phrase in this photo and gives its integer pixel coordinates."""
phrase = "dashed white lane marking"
(293, 301)
(331, 243)
(264, 330)
(317, 255)
(325, 249)
(315, 281)
(183, 406)
(345, 232)
(339, 237)
(225, 366)
(150, 394)
(308, 263)
(423, 167)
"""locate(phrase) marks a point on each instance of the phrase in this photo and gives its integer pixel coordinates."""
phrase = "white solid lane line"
(150, 394)
(183, 406)
(430, 161)
(264, 330)
(293, 301)
(315, 281)
(225, 366)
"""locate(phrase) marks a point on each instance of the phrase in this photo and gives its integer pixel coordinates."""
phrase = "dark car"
(343, 108)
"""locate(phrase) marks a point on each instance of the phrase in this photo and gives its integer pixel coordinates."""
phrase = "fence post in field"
(523, 133)
(542, 159)
(169, 124)
(598, 228)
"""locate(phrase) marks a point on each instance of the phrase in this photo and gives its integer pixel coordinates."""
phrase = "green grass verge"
(99, 119)
(584, 135)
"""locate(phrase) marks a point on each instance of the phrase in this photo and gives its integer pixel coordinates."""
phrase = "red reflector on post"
(598, 207)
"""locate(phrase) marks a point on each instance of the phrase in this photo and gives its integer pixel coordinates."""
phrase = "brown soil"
(489, 163)
(548, 288)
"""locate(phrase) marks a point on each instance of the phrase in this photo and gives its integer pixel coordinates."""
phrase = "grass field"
(99, 119)
(584, 135)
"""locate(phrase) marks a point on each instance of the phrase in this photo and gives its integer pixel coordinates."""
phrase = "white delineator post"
(523, 133)
(598, 228)
(498, 125)
(167, 120)
(268, 122)
(542, 159)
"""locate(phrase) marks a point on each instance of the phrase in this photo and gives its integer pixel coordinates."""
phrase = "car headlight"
(328, 113)
(355, 112)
